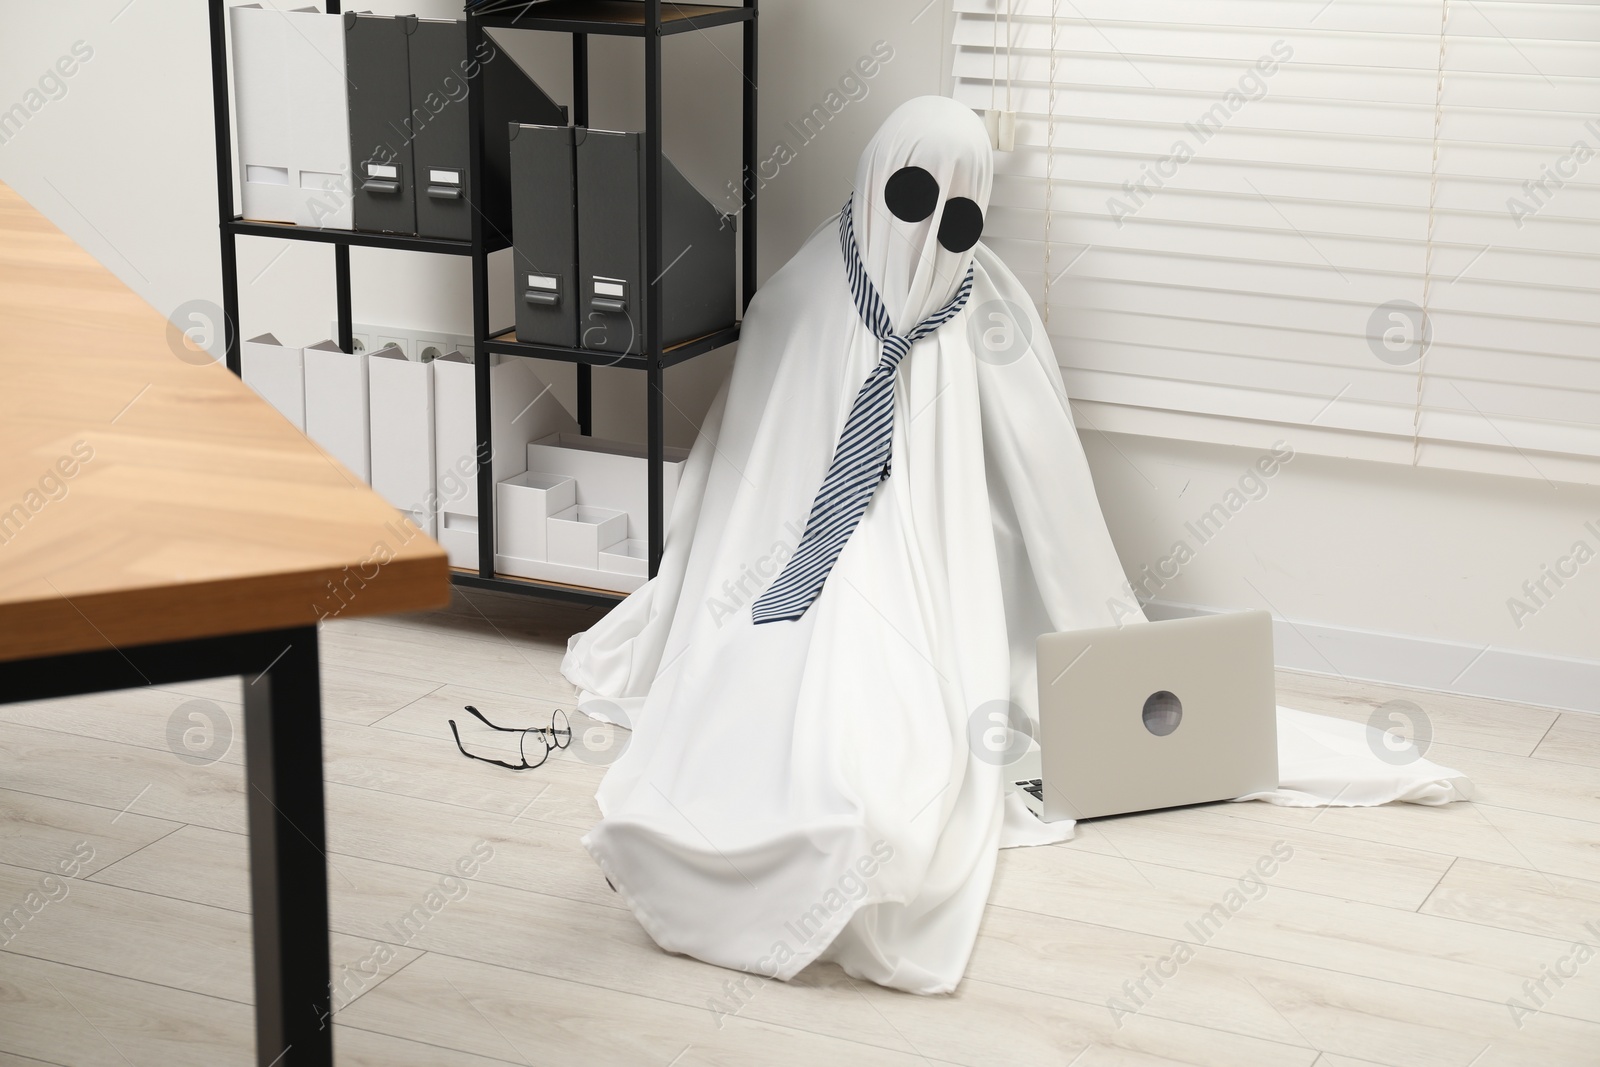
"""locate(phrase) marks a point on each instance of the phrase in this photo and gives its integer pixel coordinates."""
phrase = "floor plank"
(348, 694)
(1527, 783)
(97, 926)
(1512, 898)
(1574, 738)
(498, 663)
(511, 1014)
(1298, 1004)
(86, 1018)
(1261, 917)
(1213, 840)
(122, 778)
(66, 838)
(204, 729)
(356, 1047)
(1468, 722)
(1494, 835)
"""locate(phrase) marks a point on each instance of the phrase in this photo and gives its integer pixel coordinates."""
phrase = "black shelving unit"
(650, 20)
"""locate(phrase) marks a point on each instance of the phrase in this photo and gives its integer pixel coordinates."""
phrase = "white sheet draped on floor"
(805, 790)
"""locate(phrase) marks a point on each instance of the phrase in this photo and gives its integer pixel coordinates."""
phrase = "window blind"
(1371, 227)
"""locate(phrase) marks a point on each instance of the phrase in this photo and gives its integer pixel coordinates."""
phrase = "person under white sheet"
(803, 789)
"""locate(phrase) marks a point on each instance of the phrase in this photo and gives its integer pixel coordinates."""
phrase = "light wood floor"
(1392, 935)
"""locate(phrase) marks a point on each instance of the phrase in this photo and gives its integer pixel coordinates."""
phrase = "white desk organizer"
(628, 557)
(522, 506)
(591, 498)
(575, 536)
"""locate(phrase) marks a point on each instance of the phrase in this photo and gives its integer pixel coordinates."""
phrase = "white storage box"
(575, 537)
(522, 505)
(293, 115)
(458, 536)
(277, 374)
(400, 399)
(336, 405)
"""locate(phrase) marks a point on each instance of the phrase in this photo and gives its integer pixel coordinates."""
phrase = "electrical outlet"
(361, 336)
(421, 345)
(385, 338)
(433, 345)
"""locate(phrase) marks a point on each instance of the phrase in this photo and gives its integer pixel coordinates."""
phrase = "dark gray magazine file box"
(510, 96)
(698, 287)
(437, 54)
(544, 221)
(376, 66)
(439, 65)
(408, 110)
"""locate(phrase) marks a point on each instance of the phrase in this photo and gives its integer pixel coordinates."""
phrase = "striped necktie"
(861, 458)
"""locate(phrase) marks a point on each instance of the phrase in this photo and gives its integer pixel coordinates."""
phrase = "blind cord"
(994, 55)
(1011, 43)
(1427, 255)
(1050, 153)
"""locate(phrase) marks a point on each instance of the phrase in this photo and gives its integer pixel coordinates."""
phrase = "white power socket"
(384, 338)
(430, 346)
(420, 345)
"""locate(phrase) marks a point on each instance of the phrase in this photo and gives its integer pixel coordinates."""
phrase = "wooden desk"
(160, 523)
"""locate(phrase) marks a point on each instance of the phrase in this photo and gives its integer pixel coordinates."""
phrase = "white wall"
(1369, 546)
(123, 162)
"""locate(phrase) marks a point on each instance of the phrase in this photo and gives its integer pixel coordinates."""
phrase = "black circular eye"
(961, 225)
(911, 194)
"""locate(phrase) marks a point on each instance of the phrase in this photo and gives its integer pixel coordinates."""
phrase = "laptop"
(1155, 715)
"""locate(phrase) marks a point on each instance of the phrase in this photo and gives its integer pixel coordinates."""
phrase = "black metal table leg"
(288, 875)
(283, 777)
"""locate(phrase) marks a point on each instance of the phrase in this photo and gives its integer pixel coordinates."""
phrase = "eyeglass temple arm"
(498, 763)
(476, 714)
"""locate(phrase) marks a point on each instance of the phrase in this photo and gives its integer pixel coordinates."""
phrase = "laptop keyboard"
(1034, 786)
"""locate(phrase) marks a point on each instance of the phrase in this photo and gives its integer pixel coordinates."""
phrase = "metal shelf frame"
(621, 18)
(644, 19)
(507, 345)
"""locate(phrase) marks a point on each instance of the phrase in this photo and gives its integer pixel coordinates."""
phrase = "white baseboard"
(1423, 662)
